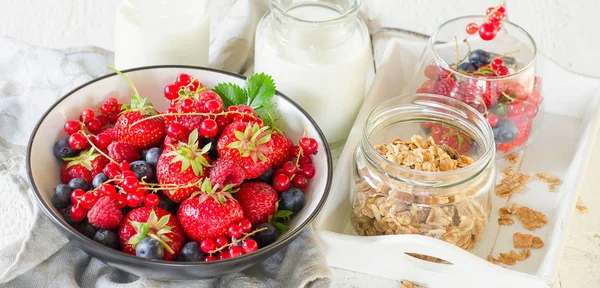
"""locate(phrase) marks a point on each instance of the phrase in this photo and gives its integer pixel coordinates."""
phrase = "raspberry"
(105, 214)
(120, 152)
(444, 86)
(225, 172)
(471, 94)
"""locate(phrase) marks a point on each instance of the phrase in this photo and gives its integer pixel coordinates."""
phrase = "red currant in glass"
(187, 105)
(208, 245)
(289, 168)
(77, 213)
(76, 195)
(249, 245)
(515, 109)
(492, 119)
(88, 200)
(497, 63)
(77, 141)
(134, 199)
(281, 182)
(87, 115)
(236, 251)
(72, 126)
(246, 225)
(221, 241)
(496, 17)
(472, 28)
(531, 111)
(309, 145)
(487, 31)
(183, 79)
(235, 231)
(300, 181)
(308, 170)
(209, 128)
(151, 200)
(176, 131)
(171, 91)
(535, 98)
(502, 71)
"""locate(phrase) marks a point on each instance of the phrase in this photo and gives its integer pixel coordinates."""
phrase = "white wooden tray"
(561, 148)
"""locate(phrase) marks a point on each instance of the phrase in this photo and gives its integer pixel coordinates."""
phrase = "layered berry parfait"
(488, 63)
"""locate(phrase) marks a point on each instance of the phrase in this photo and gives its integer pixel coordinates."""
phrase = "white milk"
(156, 32)
(324, 75)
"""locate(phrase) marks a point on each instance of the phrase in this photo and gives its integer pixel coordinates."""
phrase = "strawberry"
(457, 140)
(120, 151)
(473, 95)
(85, 165)
(105, 214)
(183, 165)
(258, 201)
(209, 213)
(151, 222)
(282, 148)
(143, 134)
(248, 145)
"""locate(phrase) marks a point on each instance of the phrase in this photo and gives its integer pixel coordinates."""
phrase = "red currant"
(515, 109)
(183, 79)
(502, 71)
(497, 63)
(124, 166)
(249, 245)
(87, 115)
(222, 241)
(171, 91)
(88, 200)
(487, 31)
(106, 108)
(213, 106)
(208, 245)
(210, 258)
(246, 225)
(112, 101)
(76, 195)
(289, 168)
(300, 181)
(134, 199)
(94, 126)
(531, 111)
(187, 105)
(535, 98)
(492, 119)
(431, 72)
(77, 141)
(111, 170)
(151, 200)
(103, 120)
(209, 128)
(130, 184)
(224, 254)
(208, 95)
(235, 231)
(121, 200)
(472, 28)
(496, 16)
(279, 171)
(281, 182)
(308, 170)
(103, 140)
(72, 126)
(195, 84)
(128, 173)
(113, 117)
(309, 145)
(236, 251)
(222, 121)
(501, 9)
(107, 190)
(77, 213)
(176, 131)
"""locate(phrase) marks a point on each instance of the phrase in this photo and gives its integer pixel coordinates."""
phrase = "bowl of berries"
(179, 172)
(488, 63)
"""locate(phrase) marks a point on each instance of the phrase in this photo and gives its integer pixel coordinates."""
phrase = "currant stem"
(246, 235)
(189, 114)
(126, 79)
(487, 17)
(97, 149)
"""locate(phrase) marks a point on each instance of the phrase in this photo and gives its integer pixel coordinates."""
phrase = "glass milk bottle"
(318, 53)
(160, 32)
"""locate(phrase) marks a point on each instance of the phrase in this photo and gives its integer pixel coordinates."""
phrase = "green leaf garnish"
(231, 94)
(280, 227)
(258, 92)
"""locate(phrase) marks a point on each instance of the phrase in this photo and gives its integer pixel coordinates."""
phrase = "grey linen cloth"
(32, 252)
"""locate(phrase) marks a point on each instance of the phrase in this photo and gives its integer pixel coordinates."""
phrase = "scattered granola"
(521, 240)
(383, 206)
(553, 182)
(505, 217)
(408, 284)
(580, 208)
(511, 182)
(512, 158)
(510, 258)
(530, 218)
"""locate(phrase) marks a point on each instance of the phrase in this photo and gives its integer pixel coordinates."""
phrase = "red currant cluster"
(95, 124)
(298, 170)
(492, 24)
(238, 243)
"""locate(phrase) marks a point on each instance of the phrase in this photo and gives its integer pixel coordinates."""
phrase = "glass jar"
(458, 65)
(158, 32)
(390, 198)
(318, 53)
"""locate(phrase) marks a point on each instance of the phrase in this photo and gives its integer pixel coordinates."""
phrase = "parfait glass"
(464, 67)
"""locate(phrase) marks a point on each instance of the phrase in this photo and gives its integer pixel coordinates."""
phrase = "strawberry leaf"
(141, 229)
(260, 89)
(283, 214)
(193, 138)
(163, 220)
(280, 227)
(231, 94)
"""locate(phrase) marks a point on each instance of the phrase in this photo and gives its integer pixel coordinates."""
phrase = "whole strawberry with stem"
(133, 128)
(209, 213)
(258, 201)
(183, 166)
(248, 145)
(85, 165)
(155, 223)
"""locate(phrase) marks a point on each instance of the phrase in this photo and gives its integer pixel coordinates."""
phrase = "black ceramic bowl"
(44, 169)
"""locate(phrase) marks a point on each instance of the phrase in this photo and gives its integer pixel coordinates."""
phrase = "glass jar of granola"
(425, 165)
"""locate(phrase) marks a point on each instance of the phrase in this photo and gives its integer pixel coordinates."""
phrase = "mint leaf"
(283, 214)
(280, 227)
(260, 89)
(231, 94)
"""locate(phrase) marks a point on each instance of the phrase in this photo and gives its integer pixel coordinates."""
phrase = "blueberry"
(62, 149)
(152, 156)
(467, 67)
(142, 169)
(99, 179)
(125, 210)
(62, 196)
(212, 153)
(150, 248)
(79, 183)
(70, 220)
(87, 229)
(292, 200)
(265, 237)
(506, 131)
(167, 204)
(479, 58)
(267, 177)
(107, 238)
(191, 252)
